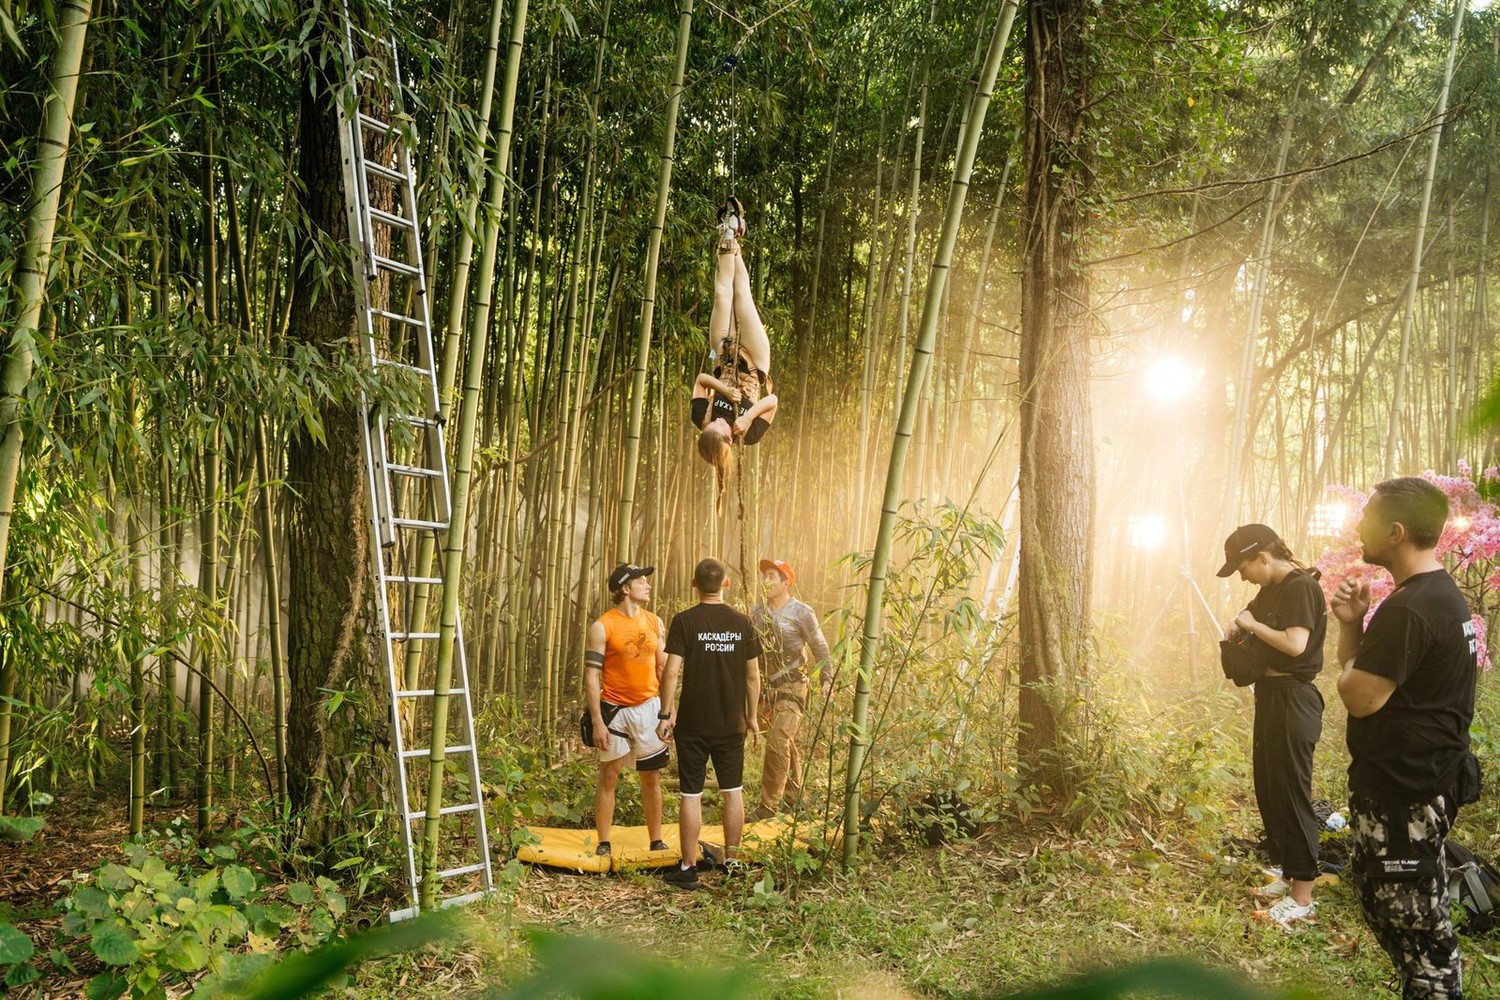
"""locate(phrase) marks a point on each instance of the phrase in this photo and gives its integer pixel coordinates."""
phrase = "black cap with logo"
(625, 572)
(1244, 542)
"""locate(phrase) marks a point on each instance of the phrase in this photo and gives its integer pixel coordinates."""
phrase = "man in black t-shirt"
(716, 651)
(1408, 682)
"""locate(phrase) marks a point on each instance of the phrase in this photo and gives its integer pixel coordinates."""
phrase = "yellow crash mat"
(630, 845)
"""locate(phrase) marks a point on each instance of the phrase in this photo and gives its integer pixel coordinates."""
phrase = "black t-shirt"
(722, 406)
(1296, 602)
(1422, 637)
(715, 642)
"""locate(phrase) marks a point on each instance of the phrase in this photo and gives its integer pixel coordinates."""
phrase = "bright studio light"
(1328, 520)
(1147, 531)
(1170, 379)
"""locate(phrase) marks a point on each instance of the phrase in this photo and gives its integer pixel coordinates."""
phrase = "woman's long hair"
(714, 446)
(1280, 550)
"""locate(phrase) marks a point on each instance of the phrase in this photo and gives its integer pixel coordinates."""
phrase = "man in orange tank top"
(622, 680)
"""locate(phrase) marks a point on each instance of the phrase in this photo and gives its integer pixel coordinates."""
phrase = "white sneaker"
(1287, 912)
(1273, 890)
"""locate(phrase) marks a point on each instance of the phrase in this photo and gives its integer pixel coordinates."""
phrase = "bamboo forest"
(749, 498)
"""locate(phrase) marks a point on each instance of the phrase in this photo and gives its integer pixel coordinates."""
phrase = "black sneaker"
(602, 851)
(659, 845)
(682, 878)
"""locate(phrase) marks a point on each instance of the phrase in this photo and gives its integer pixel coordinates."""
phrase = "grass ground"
(969, 920)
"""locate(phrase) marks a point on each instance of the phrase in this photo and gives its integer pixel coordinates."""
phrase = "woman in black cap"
(1283, 629)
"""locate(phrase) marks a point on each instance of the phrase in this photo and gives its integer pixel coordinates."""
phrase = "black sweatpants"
(1288, 721)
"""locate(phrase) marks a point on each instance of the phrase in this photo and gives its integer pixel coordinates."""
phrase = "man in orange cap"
(793, 642)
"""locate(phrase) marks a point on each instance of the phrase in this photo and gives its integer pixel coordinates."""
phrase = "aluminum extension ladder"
(406, 460)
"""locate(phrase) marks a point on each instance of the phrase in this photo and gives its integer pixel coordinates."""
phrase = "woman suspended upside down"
(735, 402)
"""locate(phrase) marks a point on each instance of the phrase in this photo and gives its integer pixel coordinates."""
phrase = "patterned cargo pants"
(1402, 885)
(782, 771)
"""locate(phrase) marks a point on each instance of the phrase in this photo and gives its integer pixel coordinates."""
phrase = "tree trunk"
(1057, 470)
(333, 639)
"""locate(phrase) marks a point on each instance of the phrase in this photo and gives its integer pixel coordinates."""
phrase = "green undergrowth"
(971, 920)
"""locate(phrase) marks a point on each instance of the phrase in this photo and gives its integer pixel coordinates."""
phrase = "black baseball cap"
(625, 572)
(1244, 542)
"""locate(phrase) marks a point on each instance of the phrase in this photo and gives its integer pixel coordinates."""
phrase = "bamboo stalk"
(632, 447)
(36, 255)
(453, 553)
(859, 738)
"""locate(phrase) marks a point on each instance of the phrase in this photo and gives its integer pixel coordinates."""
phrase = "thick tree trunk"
(333, 649)
(1057, 460)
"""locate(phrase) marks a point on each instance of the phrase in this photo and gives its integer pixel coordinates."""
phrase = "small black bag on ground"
(1474, 885)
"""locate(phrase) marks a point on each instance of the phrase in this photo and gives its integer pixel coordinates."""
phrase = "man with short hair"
(1408, 682)
(622, 679)
(715, 650)
(795, 650)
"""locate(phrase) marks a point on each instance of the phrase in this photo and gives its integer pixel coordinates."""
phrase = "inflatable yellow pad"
(630, 845)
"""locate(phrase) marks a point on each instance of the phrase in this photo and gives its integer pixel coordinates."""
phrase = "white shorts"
(632, 734)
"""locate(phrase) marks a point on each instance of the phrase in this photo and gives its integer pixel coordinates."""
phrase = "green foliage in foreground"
(154, 924)
(590, 969)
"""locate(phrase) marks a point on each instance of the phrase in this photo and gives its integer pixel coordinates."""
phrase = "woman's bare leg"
(723, 308)
(753, 340)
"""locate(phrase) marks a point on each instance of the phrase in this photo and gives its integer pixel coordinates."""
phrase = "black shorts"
(727, 753)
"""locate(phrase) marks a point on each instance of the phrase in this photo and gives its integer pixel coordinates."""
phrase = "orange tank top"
(630, 648)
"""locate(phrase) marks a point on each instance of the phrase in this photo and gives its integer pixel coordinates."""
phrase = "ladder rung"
(467, 807)
(403, 636)
(375, 124)
(443, 904)
(388, 173)
(414, 369)
(429, 580)
(461, 870)
(395, 221)
(418, 523)
(424, 692)
(398, 317)
(414, 470)
(412, 420)
(399, 267)
(414, 754)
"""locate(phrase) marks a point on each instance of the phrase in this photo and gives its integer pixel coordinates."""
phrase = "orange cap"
(784, 568)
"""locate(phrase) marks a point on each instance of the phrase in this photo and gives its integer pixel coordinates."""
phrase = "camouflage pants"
(781, 773)
(1402, 885)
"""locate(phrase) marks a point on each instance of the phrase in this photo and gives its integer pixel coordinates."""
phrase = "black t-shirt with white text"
(1296, 602)
(715, 642)
(1422, 638)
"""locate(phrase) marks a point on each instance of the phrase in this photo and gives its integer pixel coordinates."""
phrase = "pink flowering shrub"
(1470, 545)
